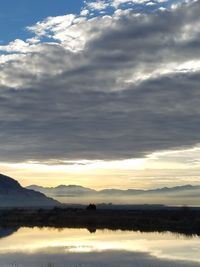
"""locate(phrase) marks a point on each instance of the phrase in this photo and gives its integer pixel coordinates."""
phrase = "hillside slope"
(12, 194)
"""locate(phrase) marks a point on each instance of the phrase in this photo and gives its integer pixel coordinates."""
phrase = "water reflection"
(62, 247)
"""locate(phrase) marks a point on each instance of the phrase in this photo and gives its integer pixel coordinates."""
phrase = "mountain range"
(179, 195)
(12, 194)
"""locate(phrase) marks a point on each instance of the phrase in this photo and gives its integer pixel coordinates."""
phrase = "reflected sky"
(28, 246)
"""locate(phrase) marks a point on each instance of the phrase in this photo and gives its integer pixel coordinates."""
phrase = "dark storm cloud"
(51, 125)
(79, 105)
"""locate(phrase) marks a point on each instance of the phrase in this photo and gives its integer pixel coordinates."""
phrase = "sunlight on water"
(58, 243)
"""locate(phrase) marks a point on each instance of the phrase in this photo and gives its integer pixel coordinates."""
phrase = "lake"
(50, 247)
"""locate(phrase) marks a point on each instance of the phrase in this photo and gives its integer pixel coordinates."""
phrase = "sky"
(103, 94)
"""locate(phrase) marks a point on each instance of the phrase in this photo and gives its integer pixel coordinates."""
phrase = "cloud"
(54, 24)
(94, 259)
(71, 31)
(97, 5)
(127, 87)
(15, 46)
(117, 4)
(84, 12)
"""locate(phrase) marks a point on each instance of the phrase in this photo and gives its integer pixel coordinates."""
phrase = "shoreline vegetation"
(182, 220)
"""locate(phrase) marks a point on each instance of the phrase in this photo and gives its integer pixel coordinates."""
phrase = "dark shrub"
(91, 207)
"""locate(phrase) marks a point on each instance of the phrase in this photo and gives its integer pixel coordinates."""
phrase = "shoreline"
(183, 220)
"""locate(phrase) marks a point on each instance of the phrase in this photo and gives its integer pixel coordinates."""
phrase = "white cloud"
(16, 46)
(52, 24)
(74, 33)
(71, 31)
(84, 12)
(6, 58)
(33, 40)
(120, 12)
(182, 158)
(151, 4)
(162, 9)
(117, 3)
(97, 5)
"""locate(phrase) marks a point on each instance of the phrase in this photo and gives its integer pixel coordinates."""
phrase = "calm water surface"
(49, 247)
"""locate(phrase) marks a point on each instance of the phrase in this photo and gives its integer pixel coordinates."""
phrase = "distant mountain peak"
(176, 188)
(79, 194)
(69, 186)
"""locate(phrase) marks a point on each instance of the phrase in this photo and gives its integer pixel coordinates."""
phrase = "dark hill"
(12, 194)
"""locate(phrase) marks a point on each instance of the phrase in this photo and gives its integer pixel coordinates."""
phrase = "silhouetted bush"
(91, 207)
